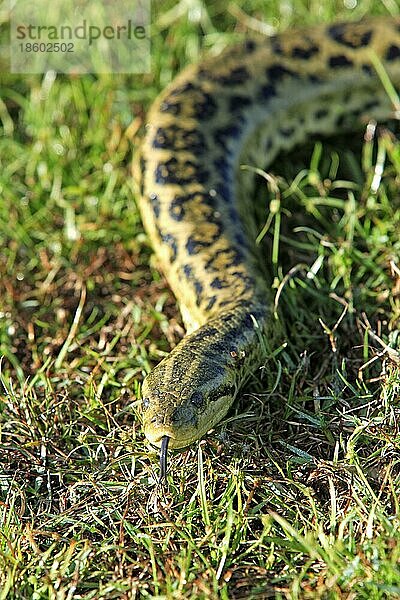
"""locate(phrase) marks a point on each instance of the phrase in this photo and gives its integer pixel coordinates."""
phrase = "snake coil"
(244, 106)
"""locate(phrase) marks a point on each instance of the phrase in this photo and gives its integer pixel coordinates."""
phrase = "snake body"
(242, 107)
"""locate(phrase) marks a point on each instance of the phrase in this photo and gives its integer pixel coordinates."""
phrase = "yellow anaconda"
(244, 106)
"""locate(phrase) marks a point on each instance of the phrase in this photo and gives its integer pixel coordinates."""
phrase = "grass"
(296, 494)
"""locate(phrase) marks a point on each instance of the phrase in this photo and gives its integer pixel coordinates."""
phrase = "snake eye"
(197, 399)
(145, 403)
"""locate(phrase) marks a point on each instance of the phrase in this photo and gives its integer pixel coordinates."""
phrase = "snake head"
(192, 389)
(183, 400)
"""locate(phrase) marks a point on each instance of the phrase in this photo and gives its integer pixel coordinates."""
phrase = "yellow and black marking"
(246, 105)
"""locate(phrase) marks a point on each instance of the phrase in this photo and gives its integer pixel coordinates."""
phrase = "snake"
(256, 99)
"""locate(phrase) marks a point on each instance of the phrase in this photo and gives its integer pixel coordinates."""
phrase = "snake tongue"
(163, 457)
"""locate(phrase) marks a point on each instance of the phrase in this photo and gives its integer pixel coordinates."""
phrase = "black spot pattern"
(188, 86)
(198, 286)
(237, 76)
(250, 46)
(188, 271)
(223, 134)
(368, 70)
(227, 318)
(155, 204)
(341, 121)
(393, 53)
(356, 113)
(142, 166)
(241, 240)
(177, 206)
(233, 258)
(170, 240)
(205, 332)
(339, 61)
(371, 104)
(176, 138)
(223, 167)
(237, 103)
(234, 215)
(248, 321)
(232, 335)
(278, 72)
(223, 191)
(211, 302)
(287, 132)
(349, 119)
(194, 243)
(339, 31)
(267, 92)
(248, 281)
(305, 53)
(204, 74)
(180, 172)
(219, 283)
(190, 276)
(276, 46)
(226, 390)
(268, 145)
(321, 113)
(204, 107)
(314, 79)
(173, 108)
(217, 348)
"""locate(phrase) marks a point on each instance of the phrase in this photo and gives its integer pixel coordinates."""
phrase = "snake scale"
(244, 106)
